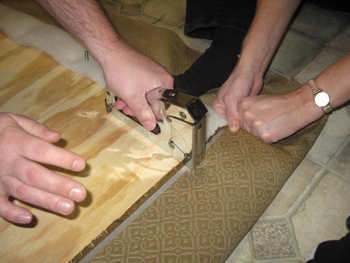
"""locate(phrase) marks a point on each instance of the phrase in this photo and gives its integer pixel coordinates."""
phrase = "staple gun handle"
(186, 105)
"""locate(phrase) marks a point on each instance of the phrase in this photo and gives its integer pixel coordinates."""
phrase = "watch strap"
(316, 89)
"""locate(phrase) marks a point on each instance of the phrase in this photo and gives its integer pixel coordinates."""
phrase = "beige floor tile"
(326, 58)
(301, 179)
(332, 137)
(289, 60)
(243, 253)
(342, 42)
(171, 12)
(131, 10)
(341, 164)
(318, 23)
(322, 216)
(272, 239)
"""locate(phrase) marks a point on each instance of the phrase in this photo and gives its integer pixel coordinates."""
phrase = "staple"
(86, 54)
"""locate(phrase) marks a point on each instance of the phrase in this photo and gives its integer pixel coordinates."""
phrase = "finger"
(37, 129)
(120, 104)
(41, 151)
(14, 213)
(232, 115)
(219, 107)
(35, 175)
(128, 111)
(38, 197)
(144, 114)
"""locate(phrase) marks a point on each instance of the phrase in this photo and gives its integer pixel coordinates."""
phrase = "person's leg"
(336, 5)
(333, 251)
(225, 22)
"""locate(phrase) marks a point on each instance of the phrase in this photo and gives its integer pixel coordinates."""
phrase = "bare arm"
(272, 118)
(128, 73)
(268, 26)
(270, 22)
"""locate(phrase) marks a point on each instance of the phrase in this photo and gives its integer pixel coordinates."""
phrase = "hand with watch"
(274, 117)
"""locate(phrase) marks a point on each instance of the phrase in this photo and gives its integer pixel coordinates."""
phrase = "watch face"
(321, 99)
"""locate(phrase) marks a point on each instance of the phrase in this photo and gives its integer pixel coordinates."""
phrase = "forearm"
(335, 81)
(269, 24)
(87, 22)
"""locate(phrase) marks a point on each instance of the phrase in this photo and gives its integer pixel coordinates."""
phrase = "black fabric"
(226, 23)
(334, 251)
(213, 68)
(336, 5)
(204, 16)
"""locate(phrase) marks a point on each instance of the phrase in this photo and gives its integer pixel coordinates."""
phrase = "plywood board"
(121, 164)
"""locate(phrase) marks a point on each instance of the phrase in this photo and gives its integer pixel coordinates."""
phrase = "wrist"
(304, 101)
(111, 54)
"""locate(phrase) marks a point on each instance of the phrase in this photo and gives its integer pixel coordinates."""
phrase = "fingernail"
(149, 125)
(24, 219)
(222, 114)
(77, 194)
(65, 207)
(79, 165)
(234, 127)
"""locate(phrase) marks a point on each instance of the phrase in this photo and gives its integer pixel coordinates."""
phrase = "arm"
(24, 143)
(128, 73)
(268, 26)
(272, 118)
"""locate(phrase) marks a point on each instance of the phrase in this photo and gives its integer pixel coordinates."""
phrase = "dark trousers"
(203, 16)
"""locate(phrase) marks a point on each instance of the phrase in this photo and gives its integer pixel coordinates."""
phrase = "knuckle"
(244, 104)
(265, 137)
(7, 136)
(31, 176)
(7, 213)
(246, 115)
(169, 80)
(40, 149)
(22, 192)
(257, 125)
(62, 187)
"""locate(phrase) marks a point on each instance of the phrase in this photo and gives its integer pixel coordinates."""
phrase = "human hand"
(274, 117)
(130, 77)
(241, 84)
(24, 144)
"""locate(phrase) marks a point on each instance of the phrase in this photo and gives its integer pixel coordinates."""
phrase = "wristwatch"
(321, 98)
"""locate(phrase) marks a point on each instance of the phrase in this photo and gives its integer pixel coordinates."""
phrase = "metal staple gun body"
(181, 121)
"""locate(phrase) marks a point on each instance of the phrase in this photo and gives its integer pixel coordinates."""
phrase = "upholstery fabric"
(207, 212)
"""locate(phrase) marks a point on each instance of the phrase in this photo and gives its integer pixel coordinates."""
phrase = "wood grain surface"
(121, 164)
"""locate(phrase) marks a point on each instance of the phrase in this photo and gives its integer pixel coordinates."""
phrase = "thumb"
(229, 110)
(143, 113)
(233, 116)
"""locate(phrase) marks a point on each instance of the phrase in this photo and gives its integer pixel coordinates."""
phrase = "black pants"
(203, 16)
(337, 251)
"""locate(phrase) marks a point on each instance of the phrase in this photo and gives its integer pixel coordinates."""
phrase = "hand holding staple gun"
(128, 73)
(133, 82)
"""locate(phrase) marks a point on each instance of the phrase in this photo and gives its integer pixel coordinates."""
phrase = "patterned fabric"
(204, 215)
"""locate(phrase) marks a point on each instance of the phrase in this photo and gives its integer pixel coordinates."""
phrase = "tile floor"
(314, 203)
